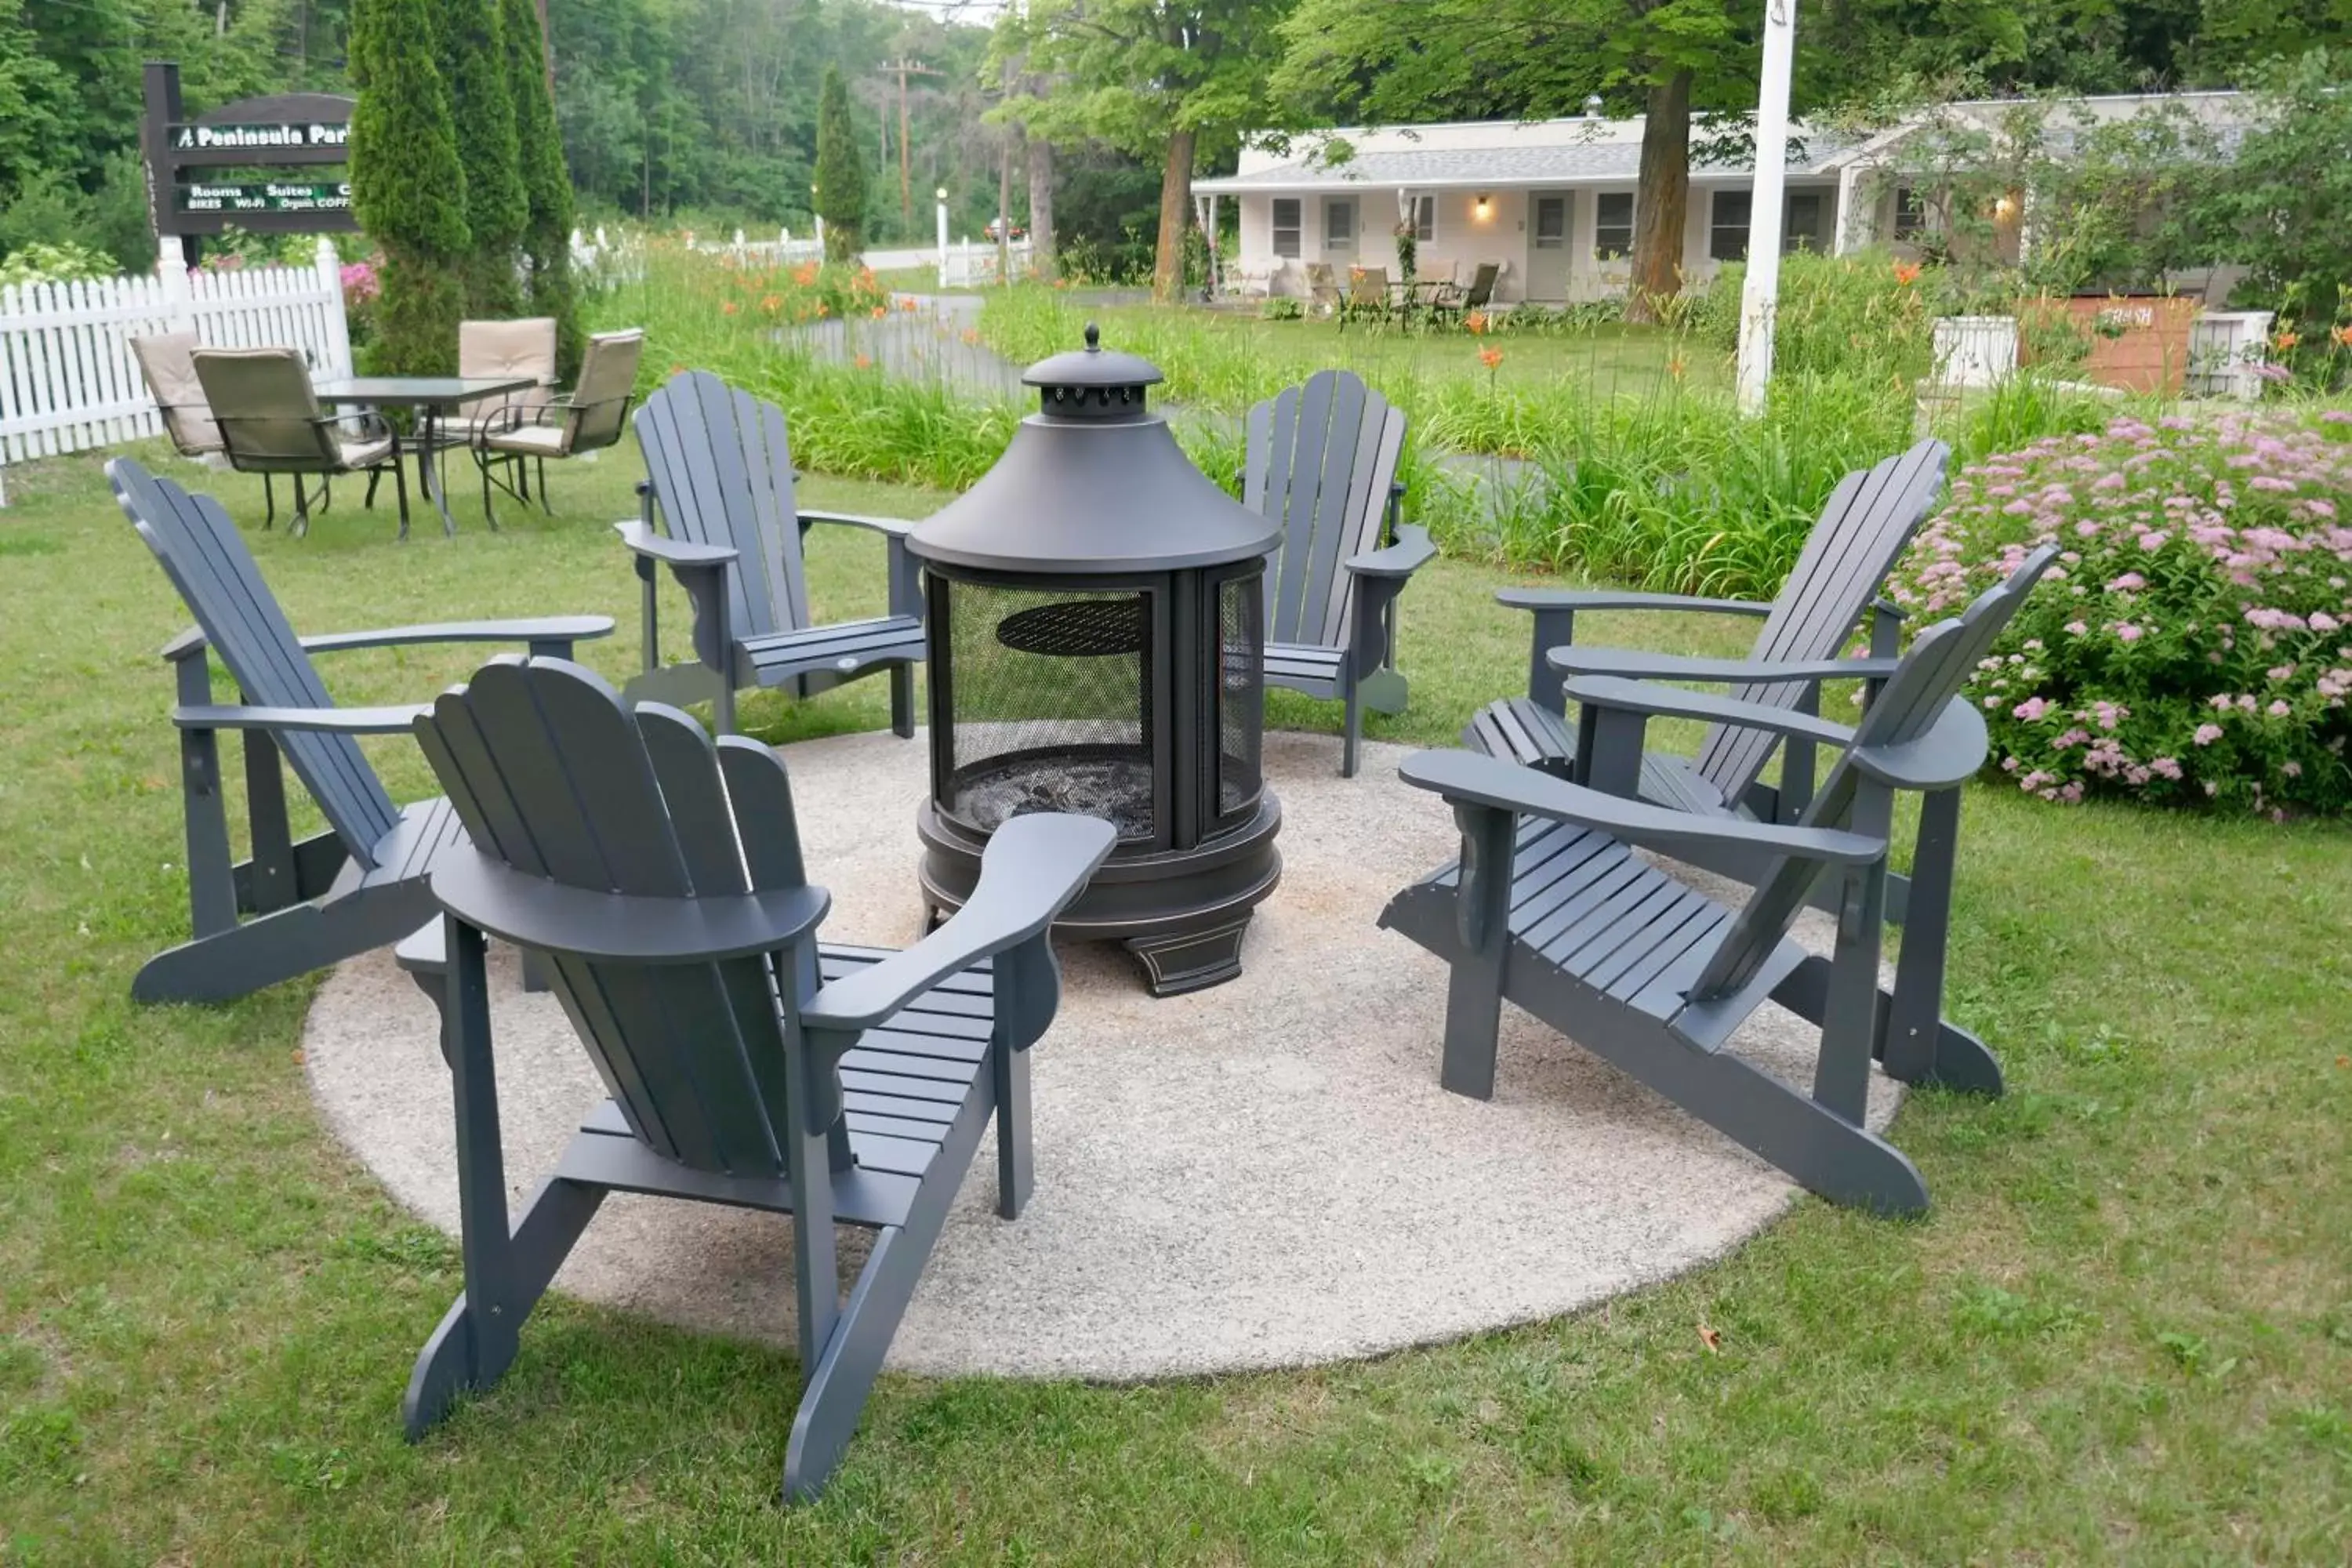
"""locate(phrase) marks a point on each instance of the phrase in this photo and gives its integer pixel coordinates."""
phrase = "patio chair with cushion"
(168, 361)
(1322, 289)
(1458, 301)
(589, 417)
(1367, 295)
(270, 423)
(485, 349)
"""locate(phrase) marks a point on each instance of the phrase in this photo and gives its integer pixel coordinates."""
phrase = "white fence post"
(335, 360)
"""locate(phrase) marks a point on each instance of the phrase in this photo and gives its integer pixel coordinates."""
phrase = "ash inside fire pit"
(1115, 788)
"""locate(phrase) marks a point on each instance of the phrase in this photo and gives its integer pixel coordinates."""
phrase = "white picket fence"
(68, 382)
(966, 264)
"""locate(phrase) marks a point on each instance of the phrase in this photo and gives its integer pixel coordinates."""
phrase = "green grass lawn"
(2125, 1334)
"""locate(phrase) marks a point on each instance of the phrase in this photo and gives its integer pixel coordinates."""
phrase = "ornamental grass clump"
(2194, 644)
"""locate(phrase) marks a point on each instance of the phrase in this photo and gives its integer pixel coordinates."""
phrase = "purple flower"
(2129, 582)
(2278, 709)
(2030, 709)
(2207, 734)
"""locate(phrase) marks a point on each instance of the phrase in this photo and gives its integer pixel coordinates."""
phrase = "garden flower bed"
(2195, 643)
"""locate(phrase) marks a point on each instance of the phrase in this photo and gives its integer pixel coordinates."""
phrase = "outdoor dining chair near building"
(512, 444)
(271, 423)
(168, 361)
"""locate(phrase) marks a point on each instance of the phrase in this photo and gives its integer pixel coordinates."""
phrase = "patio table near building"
(433, 397)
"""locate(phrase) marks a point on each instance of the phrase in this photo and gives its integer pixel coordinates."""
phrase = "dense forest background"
(696, 113)
(703, 113)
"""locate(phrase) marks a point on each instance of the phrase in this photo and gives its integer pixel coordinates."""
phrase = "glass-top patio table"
(432, 396)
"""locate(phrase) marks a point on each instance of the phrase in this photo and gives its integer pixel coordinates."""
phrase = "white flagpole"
(1759, 299)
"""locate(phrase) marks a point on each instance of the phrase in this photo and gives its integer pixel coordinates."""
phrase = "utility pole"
(905, 68)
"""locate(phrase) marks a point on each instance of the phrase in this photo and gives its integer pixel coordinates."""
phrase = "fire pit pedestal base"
(1182, 913)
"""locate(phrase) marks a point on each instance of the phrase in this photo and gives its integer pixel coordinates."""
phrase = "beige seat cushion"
(363, 454)
(525, 347)
(530, 441)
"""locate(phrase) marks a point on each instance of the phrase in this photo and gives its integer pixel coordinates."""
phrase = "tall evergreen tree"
(547, 184)
(473, 62)
(408, 188)
(840, 171)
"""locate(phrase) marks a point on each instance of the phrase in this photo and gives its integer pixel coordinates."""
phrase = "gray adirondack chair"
(1867, 523)
(1322, 463)
(660, 875)
(1548, 907)
(720, 473)
(294, 905)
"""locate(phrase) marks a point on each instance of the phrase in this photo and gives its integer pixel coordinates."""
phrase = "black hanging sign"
(301, 132)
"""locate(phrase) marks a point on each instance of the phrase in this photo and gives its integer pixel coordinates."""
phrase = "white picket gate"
(68, 382)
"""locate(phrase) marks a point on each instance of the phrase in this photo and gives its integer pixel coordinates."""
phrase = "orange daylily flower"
(804, 274)
(863, 363)
(906, 303)
(730, 308)
(879, 313)
(772, 303)
(1676, 366)
(2343, 335)
(821, 308)
(971, 336)
(1490, 358)
(1475, 322)
(1906, 272)
(2286, 340)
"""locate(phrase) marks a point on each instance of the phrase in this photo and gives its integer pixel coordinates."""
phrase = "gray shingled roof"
(1494, 165)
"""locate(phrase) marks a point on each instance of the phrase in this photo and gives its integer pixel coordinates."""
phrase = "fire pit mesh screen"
(1241, 693)
(1051, 699)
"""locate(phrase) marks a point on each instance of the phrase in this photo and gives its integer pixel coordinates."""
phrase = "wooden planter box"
(2138, 343)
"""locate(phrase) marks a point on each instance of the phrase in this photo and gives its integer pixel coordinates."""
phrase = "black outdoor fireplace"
(1096, 645)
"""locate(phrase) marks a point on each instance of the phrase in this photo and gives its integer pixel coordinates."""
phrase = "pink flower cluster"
(2187, 645)
(361, 283)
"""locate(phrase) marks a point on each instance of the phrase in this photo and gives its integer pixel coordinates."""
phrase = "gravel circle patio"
(1262, 1174)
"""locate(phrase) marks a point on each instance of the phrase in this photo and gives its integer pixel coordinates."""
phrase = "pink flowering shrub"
(2194, 642)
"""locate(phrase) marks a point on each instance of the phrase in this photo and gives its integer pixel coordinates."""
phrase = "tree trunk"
(1662, 202)
(1003, 211)
(1175, 217)
(1041, 207)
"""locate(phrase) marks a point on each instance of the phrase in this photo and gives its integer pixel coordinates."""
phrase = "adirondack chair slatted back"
(1321, 459)
(552, 775)
(1915, 697)
(722, 474)
(1870, 519)
(206, 558)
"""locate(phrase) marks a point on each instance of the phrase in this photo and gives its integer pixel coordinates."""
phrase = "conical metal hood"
(1093, 483)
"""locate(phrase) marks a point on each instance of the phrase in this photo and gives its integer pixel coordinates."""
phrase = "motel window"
(1910, 213)
(1424, 218)
(1613, 227)
(1286, 226)
(1726, 232)
(1339, 224)
(1801, 221)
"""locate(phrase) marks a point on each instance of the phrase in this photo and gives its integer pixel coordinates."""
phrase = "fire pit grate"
(1115, 788)
(1075, 628)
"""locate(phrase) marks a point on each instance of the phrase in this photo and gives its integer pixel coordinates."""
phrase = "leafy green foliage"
(476, 72)
(408, 187)
(840, 172)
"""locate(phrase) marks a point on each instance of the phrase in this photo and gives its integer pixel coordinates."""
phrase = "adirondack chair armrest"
(891, 527)
(331, 720)
(1470, 778)
(1033, 865)
(532, 630)
(1410, 552)
(672, 553)
(1948, 754)
(621, 928)
(1616, 599)
(189, 644)
(1655, 700)
(1641, 664)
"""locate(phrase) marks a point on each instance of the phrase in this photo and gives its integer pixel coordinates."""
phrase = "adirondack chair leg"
(1355, 735)
(1028, 985)
(902, 701)
(1474, 992)
(844, 1373)
(1920, 1047)
(809, 1161)
(1850, 1016)
(274, 881)
(1553, 628)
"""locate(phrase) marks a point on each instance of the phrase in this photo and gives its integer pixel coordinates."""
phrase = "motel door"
(1548, 245)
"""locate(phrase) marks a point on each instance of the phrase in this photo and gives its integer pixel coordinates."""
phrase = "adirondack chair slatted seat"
(1863, 528)
(659, 877)
(1547, 907)
(1322, 462)
(719, 474)
(314, 901)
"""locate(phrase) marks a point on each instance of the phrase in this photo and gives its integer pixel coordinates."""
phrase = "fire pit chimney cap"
(1091, 380)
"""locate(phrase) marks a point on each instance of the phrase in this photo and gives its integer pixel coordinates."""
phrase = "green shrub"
(840, 171)
(1281, 308)
(38, 263)
(2195, 643)
(547, 186)
(1865, 315)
